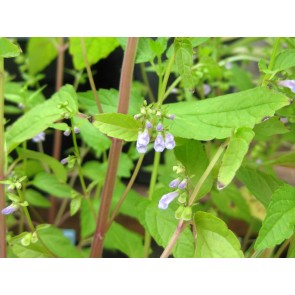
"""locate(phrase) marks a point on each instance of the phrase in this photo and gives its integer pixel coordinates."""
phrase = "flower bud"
(178, 212)
(182, 198)
(18, 185)
(187, 213)
(10, 209)
(170, 116)
(174, 183)
(148, 125)
(39, 137)
(64, 161)
(67, 132)
(26, 240)
(183, 184)
(159, 127)
(76, 130)
(137, 116)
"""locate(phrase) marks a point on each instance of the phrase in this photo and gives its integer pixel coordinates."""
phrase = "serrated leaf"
(57, 243)
(51, 185)
(109, 99)
(40, 59)
(280, 219)
(233, 157)
(184, 60)
(117, 125)
(8, 49)
(216, 117)
(214, 239)
(96, 49)
(284, 60)
(161, 224)
(57, 168)
(129, 243)
(192, 155)
(36, 199)
(260, 184)
(40, 117)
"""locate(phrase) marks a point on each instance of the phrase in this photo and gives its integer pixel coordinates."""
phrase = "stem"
(26, 211)
(57, 133)
(2, 164)
(90, 77)
(207, 172)
(146, 82)
(127, 189)
(115, 151)
(147, 237)
(180, 227)
(282, 248)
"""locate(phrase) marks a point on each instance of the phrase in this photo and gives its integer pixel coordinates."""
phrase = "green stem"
(2, 164)
(146, 82)
(282, 248)
(26, 211)
(90, 77)
(123, 197)
(147, 238)
(207, 172)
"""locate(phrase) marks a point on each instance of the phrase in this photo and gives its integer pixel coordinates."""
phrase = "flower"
(182, 185)
(10, 209)
(174, 183)
(141, 148)
(159, 144)
(67, 132)
(169, 141)
(167, 199)
(143, 138)
(159, 127)
(288, 83)
(76, 130)
(64, 161)
(206, 89)
(148, 125)
(39, 137)
(171, 116)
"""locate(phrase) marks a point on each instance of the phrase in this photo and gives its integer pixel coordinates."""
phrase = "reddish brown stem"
(57, 133)
(115, 151)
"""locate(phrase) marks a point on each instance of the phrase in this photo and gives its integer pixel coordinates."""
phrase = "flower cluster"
(181, 192)
(153, 129)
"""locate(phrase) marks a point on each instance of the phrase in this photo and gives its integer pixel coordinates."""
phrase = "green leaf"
(8, 49)
(240, 78)
(234, 155)
(280, 219)
(58, 169)
(109, 99)
(36, 199)
(75, 205)
(196, 41)
(192, 155)
(92, 136)
(40, 117)
(32, 251)
(96, 48)
(40, 59)
(269, 128)
(51, 185)
(117, 125)
(87, 221)
(230, 202)
(57, 243)
(214, 239)
(184, 60)
(158, 46)
(161, 224)
(216, 117)
(284, 60)
(260, 184)
(284, 159)
(129, 243)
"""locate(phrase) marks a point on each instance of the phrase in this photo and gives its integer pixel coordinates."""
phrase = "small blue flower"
(171, 116)
(39, 137)
(183, 184)
(141, 148)
(167, 199)
(159, 127)
(67, 132)
(174, 183)
(169, 141)
(289, 84)
(76, 130)
(64, 161)
(148, 125)
(143, 138)
(159, 144)
(206, 89)
(10, 209)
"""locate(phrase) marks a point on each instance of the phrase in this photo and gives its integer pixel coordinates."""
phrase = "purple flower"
(64, 161)
(228, 65)
(169, 141)
(10, 209)
(288, 83)
(174, 183)
(159, 144)
(167, 199)
(159, 127)
(148, 125)
(206, 89)
(137, 116)
(76, 130)
(182, 185)
(143, 138)
(141, 148)
(171, 116)
(39, 137)
(67, 132)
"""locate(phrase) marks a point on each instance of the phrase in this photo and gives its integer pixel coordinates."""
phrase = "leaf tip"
(220, 186)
